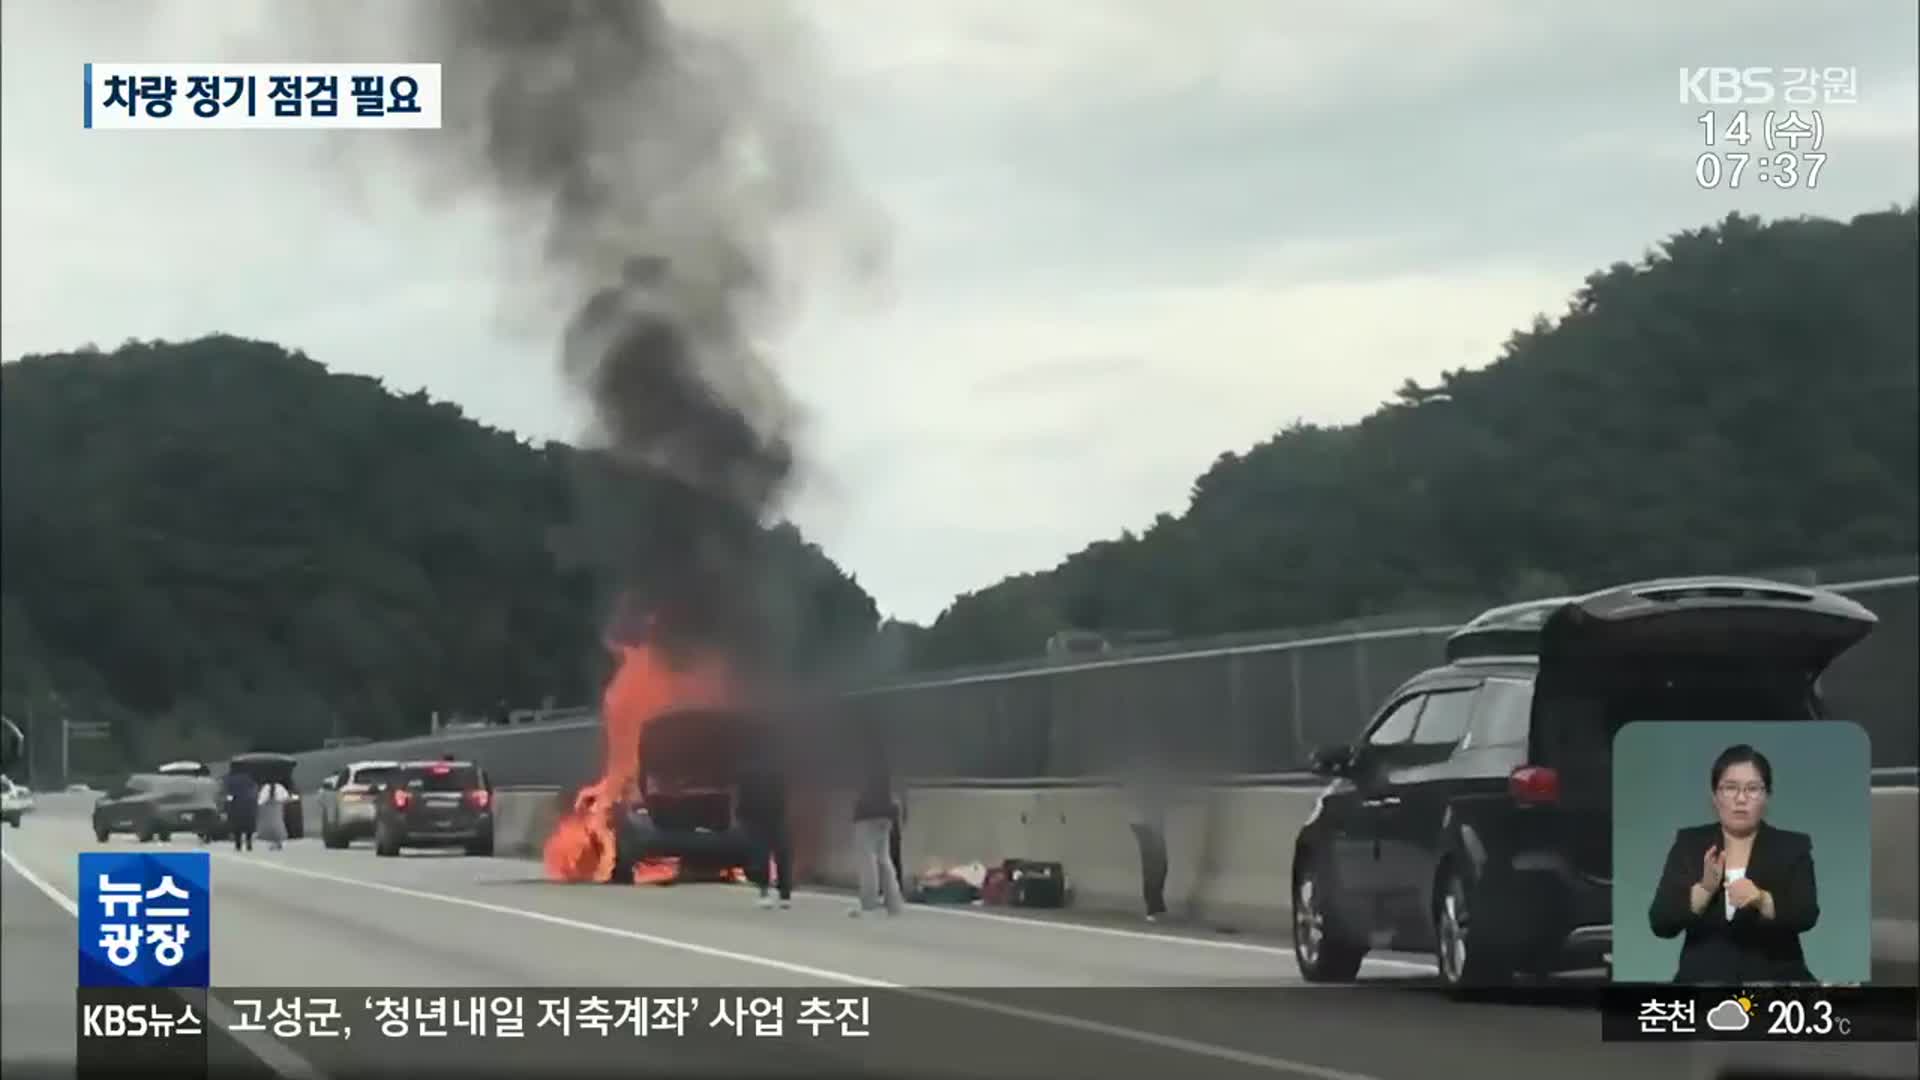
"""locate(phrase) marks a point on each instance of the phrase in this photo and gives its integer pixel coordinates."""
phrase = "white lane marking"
(1174, 938)
(1177, 938)
(271, 1052)
(1169, 1042)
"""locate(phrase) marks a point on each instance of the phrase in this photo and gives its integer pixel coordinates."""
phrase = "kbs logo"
(136, 1021)
(1727, 86)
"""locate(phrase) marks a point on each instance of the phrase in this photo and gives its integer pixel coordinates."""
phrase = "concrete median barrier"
(1230, 850)
(523, 819)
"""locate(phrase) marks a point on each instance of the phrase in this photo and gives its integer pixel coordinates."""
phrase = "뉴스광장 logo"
(145, 919)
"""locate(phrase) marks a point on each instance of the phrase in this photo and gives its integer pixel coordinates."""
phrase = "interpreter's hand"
(1744, 893)
(1713, 869)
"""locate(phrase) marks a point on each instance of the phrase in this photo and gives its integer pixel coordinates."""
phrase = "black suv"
(434, 804)
(689, 780)
(154, 806)
(1473, 815)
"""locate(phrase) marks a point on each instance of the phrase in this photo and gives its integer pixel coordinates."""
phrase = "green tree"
(1743, 397)
(220, 542)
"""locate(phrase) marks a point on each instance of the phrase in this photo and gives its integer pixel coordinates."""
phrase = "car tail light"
(479, 798)
(440, 770)
(401, 798)
(1534, 785)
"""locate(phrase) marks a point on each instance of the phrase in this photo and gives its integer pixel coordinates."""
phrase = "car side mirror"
(1332, 761)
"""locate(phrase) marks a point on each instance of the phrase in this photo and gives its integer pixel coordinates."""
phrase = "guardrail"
(1883, 780)
(1252, 708)
(1390, 627)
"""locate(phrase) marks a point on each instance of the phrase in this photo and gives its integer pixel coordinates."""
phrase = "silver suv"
(347, 800)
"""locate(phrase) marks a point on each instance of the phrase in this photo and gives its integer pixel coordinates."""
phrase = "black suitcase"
(1035, 884)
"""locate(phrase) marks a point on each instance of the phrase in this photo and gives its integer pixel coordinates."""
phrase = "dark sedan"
(153, 806)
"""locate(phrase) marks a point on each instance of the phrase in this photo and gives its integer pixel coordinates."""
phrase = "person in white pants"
(874, 813)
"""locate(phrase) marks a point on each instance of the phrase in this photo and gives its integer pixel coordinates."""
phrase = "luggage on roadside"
(1035, 884)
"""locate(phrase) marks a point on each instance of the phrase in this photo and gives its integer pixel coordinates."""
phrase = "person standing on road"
(274, 797)
(763, 812)
(875, 812)
(894, 839)
(243, 808)
(1150, 836)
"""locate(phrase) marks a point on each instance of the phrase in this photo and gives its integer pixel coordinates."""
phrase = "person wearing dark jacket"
(893, 843)
(1740, 890)
(243, 807)
(1149, 826)
(762, 810)
(875, 812)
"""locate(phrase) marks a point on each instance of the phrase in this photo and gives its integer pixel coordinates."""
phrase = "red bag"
(997, 888)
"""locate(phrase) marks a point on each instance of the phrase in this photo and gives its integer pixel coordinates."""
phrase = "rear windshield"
(442, 777)
(183, 788)
(377, 775)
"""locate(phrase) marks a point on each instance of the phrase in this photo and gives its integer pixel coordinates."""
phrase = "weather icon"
(1731, 1014)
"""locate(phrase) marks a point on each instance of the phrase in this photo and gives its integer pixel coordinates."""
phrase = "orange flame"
(645, 685)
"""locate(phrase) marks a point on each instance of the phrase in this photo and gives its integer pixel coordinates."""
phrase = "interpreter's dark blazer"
(1748, 947)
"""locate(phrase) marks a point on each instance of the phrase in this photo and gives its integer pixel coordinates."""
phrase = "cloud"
(1728, 1016)
(1128, 235)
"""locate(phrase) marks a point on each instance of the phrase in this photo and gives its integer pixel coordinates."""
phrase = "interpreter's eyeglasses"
(1732, 792)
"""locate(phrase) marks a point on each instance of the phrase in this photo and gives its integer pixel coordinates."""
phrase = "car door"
(1357, 843)
(1420, 782)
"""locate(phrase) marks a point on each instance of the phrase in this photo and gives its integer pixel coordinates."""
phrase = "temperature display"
(1760, 1014)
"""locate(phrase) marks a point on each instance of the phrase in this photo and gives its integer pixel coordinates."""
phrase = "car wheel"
(1463, 963)
(481, 847)
(144, 834)
(384, 842)
(1322, 952)
(13, 820)
(102, 835)
(164, 837)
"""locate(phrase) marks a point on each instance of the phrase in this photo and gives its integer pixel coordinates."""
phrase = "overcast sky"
(1127, 235)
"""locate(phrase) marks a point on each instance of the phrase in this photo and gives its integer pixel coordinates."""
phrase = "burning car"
(686, 812)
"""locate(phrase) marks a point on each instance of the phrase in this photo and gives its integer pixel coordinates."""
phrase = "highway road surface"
(953, 993)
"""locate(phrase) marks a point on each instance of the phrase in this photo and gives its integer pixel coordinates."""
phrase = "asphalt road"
(1016, 997)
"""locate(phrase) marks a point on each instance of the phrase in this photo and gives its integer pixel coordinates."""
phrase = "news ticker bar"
(119, 1025)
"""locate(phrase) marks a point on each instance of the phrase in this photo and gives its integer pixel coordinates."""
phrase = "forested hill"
(221, 542)
(1742, 398)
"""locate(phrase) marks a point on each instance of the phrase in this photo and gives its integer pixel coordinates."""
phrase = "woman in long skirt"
(273, 814)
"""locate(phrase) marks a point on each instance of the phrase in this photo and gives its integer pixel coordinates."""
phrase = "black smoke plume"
(669, 168)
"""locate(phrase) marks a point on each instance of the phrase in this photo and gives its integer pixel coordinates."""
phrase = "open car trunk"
(265, 768)
(690, 763)
(1699, 650)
